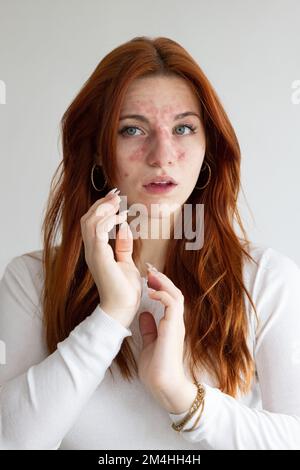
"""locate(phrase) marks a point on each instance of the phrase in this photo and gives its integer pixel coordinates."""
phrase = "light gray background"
(250, 51)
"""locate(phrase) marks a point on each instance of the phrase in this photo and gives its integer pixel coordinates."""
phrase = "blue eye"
(126, 128)
(192, 128)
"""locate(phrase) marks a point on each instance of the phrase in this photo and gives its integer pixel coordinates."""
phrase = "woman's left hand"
(160, 364)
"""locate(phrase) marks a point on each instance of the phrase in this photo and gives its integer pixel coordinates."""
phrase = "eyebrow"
(144, 119)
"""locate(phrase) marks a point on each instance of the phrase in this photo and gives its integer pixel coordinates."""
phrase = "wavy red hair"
(211, 278)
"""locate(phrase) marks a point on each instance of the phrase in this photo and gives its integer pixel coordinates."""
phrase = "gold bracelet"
(195, 405)
(197, 420)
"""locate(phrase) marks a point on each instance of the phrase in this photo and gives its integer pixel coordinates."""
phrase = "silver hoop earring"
(209, 177)
(92, 178)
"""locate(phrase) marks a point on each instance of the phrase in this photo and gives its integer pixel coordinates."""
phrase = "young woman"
(104, 352)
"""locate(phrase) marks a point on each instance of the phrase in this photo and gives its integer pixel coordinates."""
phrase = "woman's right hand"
(118, 281)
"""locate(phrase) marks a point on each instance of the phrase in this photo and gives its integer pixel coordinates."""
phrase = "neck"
(154, 236)
(153, 252)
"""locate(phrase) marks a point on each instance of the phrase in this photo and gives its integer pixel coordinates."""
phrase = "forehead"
(156, 94)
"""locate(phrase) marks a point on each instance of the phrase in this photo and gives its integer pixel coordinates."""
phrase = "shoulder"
(273, 281)
(269, 265)
(23, 280)
(29, 263)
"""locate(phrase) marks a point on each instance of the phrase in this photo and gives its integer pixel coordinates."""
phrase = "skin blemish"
(137, 155)
(182, 156)
(162, 145)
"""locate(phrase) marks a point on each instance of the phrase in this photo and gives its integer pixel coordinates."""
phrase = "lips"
(160, 185)
(164, 180)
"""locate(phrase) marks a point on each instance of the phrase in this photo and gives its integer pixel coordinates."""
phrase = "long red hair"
(211, 278)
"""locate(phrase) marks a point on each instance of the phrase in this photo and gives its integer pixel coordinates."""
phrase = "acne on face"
(155, 143)
(136, 147)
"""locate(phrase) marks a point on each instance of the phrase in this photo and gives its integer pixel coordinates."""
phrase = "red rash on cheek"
(137, 155)
(182, 156)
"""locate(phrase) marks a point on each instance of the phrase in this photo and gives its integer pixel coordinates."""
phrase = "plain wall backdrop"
(249, 50)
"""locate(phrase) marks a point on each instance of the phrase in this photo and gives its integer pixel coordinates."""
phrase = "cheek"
(130, 161)
(190, 161)
(186, 155)
(137, 155)
(140, 154)
(128, 156)
(183, 157)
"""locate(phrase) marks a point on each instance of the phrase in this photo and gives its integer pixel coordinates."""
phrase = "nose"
(162, 153)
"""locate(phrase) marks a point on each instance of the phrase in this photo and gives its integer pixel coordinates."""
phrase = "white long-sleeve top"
(69, 400)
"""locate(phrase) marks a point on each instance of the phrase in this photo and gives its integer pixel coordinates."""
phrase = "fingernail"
(113, 192)
(151, 267)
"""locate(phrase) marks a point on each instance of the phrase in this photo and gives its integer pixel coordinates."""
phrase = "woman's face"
(162, 145)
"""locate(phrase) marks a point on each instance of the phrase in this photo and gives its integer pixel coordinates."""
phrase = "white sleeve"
(227, 423)
(41, 395)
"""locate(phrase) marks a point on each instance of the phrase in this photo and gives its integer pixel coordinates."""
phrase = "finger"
(124, 244)
(112, 198)
(171, 305)
(105, 208)
(107, 203)
(163, 296)
(105, 225)
(99, 215)
(160, 281)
